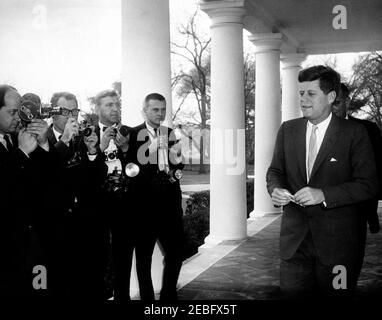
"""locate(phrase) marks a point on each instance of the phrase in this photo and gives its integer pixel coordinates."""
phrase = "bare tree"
(195, 83)
(366, 87)
(196, 80)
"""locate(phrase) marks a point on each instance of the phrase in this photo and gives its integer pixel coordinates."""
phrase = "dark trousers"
(123, 242)
(86, 251)
(304, 276)
(163, 223)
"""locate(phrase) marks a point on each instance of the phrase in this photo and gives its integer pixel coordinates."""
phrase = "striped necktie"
(312, 154)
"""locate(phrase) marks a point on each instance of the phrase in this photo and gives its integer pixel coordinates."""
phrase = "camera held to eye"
(29, 110)
(123, 130)
(84, 129)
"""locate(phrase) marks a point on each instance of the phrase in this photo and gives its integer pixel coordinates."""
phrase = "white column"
(145, 56)
(228, 217)
(291, 65)
(267, 114)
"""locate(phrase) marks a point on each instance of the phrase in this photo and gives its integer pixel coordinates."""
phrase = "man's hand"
(308, 196)
(70, 130)
(107, 136)
(280, 197)
(91, 142)
(122, 142)
(27, 141)
(39, 128)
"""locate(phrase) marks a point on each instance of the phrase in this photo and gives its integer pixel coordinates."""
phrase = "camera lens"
(87, 132)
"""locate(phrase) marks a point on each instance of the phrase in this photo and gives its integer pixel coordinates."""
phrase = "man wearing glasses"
(65, 126)
(82, 171)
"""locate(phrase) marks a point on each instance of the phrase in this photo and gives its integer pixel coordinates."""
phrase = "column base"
(211, 241)
(258, 214)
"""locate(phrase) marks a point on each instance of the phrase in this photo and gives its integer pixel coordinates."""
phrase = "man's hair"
(4, 88)
(329, 79)
(344, 91)
(153, 96)
(32, 97)
(104, 94)
(67, 95)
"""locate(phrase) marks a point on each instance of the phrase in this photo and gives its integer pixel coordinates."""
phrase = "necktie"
(162, 152)
(312, 154)
(8, 142)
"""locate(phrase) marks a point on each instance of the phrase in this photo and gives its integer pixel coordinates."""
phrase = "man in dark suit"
(114, 201)
(322, 168)
(152, 146)
(341, 109)
(81, 174)
(26, 162)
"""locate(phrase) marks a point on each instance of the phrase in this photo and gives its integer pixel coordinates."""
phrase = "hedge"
(196, 218)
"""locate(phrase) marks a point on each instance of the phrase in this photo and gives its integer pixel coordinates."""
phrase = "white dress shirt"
(56, 134)
(320, 134)
(153, 138)
(2, 140)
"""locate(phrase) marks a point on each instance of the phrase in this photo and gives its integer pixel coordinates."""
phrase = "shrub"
(196, 218)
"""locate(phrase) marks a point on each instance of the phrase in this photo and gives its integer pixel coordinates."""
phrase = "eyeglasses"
(65, 112)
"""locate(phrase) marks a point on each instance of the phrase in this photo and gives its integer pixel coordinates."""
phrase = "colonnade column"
(267, 114)
(145, 56)
(291, 65)
(228, 216)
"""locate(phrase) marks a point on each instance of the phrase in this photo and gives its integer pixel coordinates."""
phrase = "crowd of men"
(80, 197)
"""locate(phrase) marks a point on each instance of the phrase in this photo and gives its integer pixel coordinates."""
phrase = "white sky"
(75, 45)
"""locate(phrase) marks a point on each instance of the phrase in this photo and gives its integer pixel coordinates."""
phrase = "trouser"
(86, 254)
(122, 255)
(305, 276)
(171, 240)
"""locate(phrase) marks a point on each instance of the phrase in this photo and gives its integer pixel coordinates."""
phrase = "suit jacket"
(81, 181)
(344, 170)
(146, 181)
(26, 209)
(370, 207)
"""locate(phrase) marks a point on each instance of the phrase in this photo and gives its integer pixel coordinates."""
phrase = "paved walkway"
(249, 270)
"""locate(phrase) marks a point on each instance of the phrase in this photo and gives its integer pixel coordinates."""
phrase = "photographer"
(26, 162)
(157, 197)
(113, 147)
(81, 173)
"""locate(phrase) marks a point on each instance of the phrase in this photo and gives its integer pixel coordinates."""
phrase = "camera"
(117, 182)
(29, 110)
(111, 155)
(172, 176)
(123, 130)
(84, 129)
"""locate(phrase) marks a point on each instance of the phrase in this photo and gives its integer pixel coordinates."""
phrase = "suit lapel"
(51, 137)
(3, 150)
(330, 139)
(300, 146)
